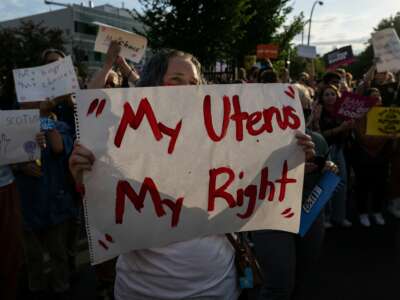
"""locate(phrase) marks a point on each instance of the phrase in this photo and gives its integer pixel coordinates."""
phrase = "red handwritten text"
(124, 189)
(134, 120)
(250, 191)
(285, 117)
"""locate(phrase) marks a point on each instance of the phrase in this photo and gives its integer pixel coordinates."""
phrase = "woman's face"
(329, 96)
(181, 71)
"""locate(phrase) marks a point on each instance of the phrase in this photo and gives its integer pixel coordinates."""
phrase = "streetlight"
(310, 21)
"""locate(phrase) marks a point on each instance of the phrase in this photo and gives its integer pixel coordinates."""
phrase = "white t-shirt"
(201, 268)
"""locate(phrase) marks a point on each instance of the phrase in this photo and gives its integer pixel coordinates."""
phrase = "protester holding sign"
(370, 160)
(336, 133)
(11, 227)
(62, 106)
(106, 76)
(10, 230)
(201, 268)
(47, 206)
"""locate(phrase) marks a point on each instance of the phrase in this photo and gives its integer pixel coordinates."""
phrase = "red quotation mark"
(290, 92)
(287, 213)
(108, 238)
(96, 105)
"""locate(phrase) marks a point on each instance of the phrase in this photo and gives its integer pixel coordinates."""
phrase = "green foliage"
(205, 28)
(268, 17)
(365, 58)
(217, 29)
(22, 47)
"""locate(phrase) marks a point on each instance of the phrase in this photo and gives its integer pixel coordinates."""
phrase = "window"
(85, 28)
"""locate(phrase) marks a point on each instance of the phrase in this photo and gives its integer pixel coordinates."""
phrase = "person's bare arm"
(100, 79)
(126, 70)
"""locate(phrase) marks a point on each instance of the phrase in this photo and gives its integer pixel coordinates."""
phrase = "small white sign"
(133, 45)
(386, 45)
(46, 82)
(18, 129)
(306, 51)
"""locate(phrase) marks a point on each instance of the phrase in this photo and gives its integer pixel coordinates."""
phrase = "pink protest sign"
(353, 106)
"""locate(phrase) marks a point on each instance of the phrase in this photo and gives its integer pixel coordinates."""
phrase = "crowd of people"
(41, 201)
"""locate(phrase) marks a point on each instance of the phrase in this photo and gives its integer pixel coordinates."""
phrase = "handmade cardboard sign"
(46, 82)
(306, 51)
(386, 46)
(353, 106)
(175, 163)
(133, 45)
(383, 121)
(18, 129)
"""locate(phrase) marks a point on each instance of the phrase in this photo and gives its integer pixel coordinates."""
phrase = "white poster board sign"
(306, 51)
(386, 45)
(175, 163)
(18, 129)
(133, 45)
(46, 82)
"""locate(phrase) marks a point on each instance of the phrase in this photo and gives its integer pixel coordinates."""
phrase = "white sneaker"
(394, 207)
(346, 223)
(364, 220)
(378, 218)
(328, 224)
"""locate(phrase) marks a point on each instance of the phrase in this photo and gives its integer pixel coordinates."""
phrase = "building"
(76, 21)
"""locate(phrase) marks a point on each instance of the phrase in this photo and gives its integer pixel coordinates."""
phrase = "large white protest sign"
(386, 45)
(18, 129)
(306, 51)
(46, 82)
(174, 163)
(133, 45)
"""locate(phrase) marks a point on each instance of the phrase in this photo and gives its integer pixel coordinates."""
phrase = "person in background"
(107, 76)
(253, 74)
(284, 76)
(242, 77)
(11, 230)
(336, 132)
(268, 76)
(349, 81)
(47, 208)
(388, 89)
(286, 259)
(343, 86)
(370, 156)
(331, 78)
(63, 108)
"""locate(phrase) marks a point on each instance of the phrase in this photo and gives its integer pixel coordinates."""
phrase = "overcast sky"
(336, 23)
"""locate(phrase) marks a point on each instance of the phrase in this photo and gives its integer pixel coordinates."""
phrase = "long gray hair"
(155, 69)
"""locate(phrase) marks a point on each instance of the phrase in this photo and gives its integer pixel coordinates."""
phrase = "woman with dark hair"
(201, 268)
(336, 132)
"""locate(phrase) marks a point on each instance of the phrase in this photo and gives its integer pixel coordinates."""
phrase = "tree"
(267, 18)
(365, 59)
(206, 28)
(21, 47)
(217, 29)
